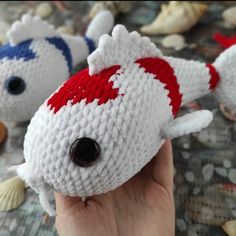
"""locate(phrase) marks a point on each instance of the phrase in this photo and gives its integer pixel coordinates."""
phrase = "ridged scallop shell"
(115, 7)
(12, 193)
(177, 17)
(229, 16)
(207, 210)
(230, 227)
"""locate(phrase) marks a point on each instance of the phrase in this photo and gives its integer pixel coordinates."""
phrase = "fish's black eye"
(15, 85)
(84, 152)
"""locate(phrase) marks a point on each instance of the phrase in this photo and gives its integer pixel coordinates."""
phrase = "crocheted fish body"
(37, 60)
(106, 122)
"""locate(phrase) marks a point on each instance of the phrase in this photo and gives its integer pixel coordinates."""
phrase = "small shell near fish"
(175, 41)
(229, 16)
(65, 30)
(230, 227)
(12, 193)
(44, 10)
(176, 17)
(115, 7)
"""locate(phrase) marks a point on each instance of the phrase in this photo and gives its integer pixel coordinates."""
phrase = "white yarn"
(43, 74)
(129, 129)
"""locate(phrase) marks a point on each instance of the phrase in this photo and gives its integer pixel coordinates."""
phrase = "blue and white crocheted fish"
(38, 59)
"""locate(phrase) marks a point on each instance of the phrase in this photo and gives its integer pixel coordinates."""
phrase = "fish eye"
(84, 152)
(15, 85)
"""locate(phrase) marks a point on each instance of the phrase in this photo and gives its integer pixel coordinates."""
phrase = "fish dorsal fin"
(121, 48)
(30, 27)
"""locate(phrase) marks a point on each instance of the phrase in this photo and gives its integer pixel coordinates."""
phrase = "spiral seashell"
(115, 7)
(177, 17)
(12, 193)
(229, 16)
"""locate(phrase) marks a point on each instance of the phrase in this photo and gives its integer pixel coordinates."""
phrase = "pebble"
(207, 171)
(189, 176)
(175, 41)
(185, 155)
(221, 171)
(4, 27)
(227, 163)
(181, 225)
(196, 190)
(65, 30)
(44, 10)
(232, 175)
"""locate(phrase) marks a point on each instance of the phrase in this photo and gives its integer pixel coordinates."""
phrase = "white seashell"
(4, 27)
(115, 7)
(12, 193)
(229, 16)
(176, 17)
(175, 41)
(44, 10)
(230, 227)
(65, 30)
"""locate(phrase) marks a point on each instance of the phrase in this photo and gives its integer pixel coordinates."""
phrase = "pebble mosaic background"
(205, 163)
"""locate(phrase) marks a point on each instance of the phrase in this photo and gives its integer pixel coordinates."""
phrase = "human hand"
(143, 206)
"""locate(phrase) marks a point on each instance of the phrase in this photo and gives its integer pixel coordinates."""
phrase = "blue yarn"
(61, 45)
(17, 52)
(91, 45)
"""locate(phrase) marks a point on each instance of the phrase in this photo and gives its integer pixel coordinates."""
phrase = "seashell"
(4, 27)
(206, 210)
(176, 17)
(229, 16)
(12, 193)
(65, 30)
(175, 41)
(3, 132)
(44, 10)
(115, 7)
(227, 190)
(230, 227)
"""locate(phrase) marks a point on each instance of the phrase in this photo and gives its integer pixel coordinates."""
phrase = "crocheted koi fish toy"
(38, 59)
(107, 122)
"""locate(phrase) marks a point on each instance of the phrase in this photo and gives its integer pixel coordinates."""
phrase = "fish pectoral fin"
(189, 123)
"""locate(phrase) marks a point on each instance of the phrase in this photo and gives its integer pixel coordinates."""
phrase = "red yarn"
(215, 78)
(83, 86)
(224, 41)
(165, 74)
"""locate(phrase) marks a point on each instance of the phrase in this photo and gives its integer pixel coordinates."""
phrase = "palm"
(142, 206)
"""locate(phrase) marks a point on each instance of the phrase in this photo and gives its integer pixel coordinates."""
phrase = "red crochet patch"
(224, 41)
(215, 78)
(165, 74)
(83, 86)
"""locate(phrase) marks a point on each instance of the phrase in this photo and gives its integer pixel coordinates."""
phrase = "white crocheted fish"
(106, 122)
(38, 59)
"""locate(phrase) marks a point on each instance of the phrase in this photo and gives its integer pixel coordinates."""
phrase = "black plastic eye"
(84, 152)
(15, 85)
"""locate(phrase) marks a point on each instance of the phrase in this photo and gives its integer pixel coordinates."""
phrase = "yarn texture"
(126, 101)
(42, 59)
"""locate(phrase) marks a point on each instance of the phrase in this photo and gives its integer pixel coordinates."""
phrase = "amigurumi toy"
(37, 60)
(107, 122)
